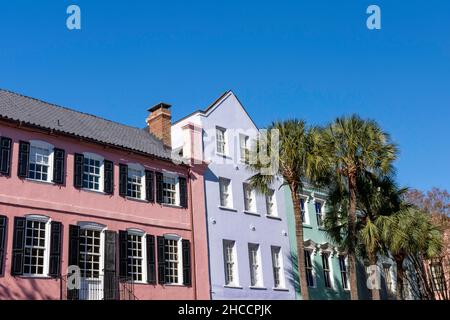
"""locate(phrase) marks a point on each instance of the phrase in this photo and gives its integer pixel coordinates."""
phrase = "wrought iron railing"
(103, 287)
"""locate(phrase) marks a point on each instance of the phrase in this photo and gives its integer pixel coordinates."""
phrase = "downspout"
(194, 266)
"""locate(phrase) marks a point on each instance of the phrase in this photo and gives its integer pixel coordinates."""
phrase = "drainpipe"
(194, 266)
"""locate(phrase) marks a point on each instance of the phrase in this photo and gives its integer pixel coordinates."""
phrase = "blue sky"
(308, 59)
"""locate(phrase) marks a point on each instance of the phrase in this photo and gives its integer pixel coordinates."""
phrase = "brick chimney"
(160, 121)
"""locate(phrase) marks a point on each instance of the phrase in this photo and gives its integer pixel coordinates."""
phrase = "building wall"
(311, 231)
(234, 224)
(66, 204)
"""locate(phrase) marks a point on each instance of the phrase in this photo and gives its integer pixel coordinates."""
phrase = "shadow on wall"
(318, 292)
(29, 289)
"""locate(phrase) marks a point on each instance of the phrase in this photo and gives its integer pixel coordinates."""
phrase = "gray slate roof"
(34, 112)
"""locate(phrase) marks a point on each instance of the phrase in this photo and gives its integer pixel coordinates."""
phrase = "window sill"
(252, 213)
(93, 191)
(321, 228)
(227, 209)
(31, 276)
(307, 226)
(174, 285)
(273, 217)
(232, 287)
(136, 199)
(40, 181)
(257, 288)
(171, 205)
(280, 289)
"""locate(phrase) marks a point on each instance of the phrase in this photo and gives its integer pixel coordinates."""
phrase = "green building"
(326, 267)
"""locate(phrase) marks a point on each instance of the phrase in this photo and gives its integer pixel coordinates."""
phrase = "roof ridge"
(69, 109)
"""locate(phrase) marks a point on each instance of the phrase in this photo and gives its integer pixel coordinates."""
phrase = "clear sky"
(308, 59)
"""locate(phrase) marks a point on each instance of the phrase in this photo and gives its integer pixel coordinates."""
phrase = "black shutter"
(186, 248)
(74, 256)
(55, 249)
(159, 187)
(59, 157)
(110, 286)
(24, 159)
(5, 156)
(123, 178)
(78, 169)
(109, 177)
(3, 226)
(183, 192)
(149, 186)
(123, 254)
(161, 261)
(18, 246)
(151, 261)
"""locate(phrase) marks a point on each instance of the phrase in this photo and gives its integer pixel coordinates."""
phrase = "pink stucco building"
(83, 191)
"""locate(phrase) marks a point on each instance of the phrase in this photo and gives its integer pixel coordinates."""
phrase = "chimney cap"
(159, 106)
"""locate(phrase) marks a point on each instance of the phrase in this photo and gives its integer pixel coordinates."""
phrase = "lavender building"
(249, 249)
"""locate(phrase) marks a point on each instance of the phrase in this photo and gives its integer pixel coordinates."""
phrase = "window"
(249, 198)
(90, 253)
(243, 147)
(40, 161)
(303, 209)
(135, 183)
(319, 213)
(388, 277)
(271, 204)
(172, 261)
(225, 193)
(309, 269)
(35, 249)
(437, 275)
(344, 272)
(220, 140)
(326, 269)
(92, 172)
(255, 265)
(229, 254)
(135, 257)
(170, 190)
(277, 265)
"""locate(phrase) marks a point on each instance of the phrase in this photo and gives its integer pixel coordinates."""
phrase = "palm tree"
(410, 234)
(298, 160)
(355, 146)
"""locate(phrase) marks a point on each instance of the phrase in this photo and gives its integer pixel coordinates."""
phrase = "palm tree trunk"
(352, 236)
(300, 240)
(373, 262)
(400, 278)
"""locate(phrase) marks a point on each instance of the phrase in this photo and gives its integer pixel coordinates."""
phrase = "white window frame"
(243, 147)
(305, 199)
(94, 156)
(142, 234)
(245, 188)
(93, 226)
(141, 169)
(259, 272)
(345, 257)
(281, 275)
(47, 221)
(313, 269)
(322, 213)
(235, 282)
(274, 212)
(167, 175)
(178, 239)
(330, 269)
(224, 141)
(229, 204)
(47, 146)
